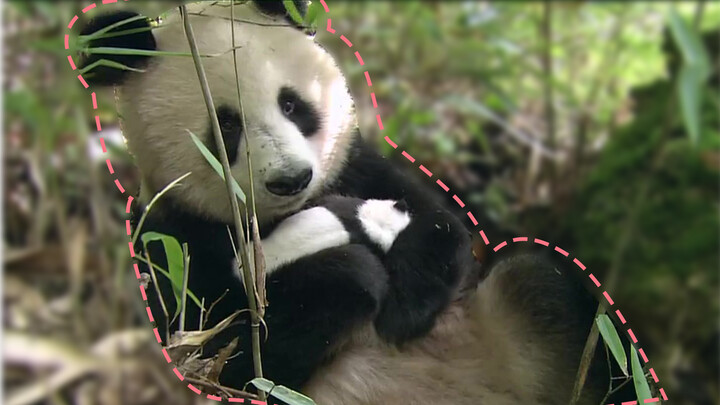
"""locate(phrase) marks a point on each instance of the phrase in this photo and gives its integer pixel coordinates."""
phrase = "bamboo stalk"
(239, 232)
(253, 231)
(186, 273)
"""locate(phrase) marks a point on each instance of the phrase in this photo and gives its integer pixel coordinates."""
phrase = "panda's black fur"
(413, 296)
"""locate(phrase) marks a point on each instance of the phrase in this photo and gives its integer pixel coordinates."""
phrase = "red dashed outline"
(390, 142)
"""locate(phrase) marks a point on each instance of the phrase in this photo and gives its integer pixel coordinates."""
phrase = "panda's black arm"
(429, 258)
(314, 301)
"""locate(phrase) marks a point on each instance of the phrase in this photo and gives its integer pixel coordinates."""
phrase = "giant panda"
(372, 287)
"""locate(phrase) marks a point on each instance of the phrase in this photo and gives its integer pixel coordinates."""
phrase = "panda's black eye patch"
(299, 111)
(232, 127)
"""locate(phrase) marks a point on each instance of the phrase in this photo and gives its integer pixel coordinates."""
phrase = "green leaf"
(693, 73)
(642, 389)
(612, 340)
(690, 93)
(312, 14)
(174, 256)
(101, 32)
(167, 275)
(689, 42)
(100, 50)
(282, 393)
(293, 11)
(110, 64)
(212, 160)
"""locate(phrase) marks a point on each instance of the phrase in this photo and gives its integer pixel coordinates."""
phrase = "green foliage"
(280, 392)
(174, 259)
(215, 164)
(103, 33)
(642, 388)
(293, 12)
(693, 73)
(312, 15)
(612, 340)
(309, 22)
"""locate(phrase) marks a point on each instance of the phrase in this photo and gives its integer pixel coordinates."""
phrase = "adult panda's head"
(297, 116)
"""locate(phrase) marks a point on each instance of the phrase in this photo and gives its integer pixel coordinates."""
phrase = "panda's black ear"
(277, 8)
(139, 37)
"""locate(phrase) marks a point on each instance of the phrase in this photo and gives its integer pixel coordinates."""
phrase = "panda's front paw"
(383, 220)
(303, 234)
(376, 223)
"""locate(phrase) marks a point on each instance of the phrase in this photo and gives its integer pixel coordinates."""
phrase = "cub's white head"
(296, 118)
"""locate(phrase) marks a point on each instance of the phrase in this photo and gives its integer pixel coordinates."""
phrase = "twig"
(230, 392)
(202, 313)
(219, 362)
(207, 315)
(247, 274)
(157, 291)
(254, 231)
(612, 390)
(152, 202)
(186, 273)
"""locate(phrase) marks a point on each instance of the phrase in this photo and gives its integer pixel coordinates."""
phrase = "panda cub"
(370, 277)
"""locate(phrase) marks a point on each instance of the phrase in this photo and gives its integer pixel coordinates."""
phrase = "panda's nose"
(287, 185)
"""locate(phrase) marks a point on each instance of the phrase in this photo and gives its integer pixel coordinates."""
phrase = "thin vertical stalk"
(159, 294)
(250, 211)
(547, 62)
(186, 273)
(239, 232)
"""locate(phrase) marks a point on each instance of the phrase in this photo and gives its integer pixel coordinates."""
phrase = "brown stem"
(239, 232)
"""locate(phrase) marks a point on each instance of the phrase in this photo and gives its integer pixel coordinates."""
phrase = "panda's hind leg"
(548, 313)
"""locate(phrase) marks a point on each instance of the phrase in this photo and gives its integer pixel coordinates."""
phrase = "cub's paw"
(303, 234)
(375, 223)
(383, 220)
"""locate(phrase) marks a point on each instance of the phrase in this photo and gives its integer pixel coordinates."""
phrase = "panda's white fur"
(484, 348)
(316, 229)
(382, 222)
(157, 135)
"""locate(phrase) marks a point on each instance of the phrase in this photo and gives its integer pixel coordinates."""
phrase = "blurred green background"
(590, 124)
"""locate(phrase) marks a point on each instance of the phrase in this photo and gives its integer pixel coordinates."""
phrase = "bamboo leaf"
(690, 93)
(101, 50)
(692, 75)
(642, 389)
(612, 339)
(167, 275)
(215, 164)
(281, 392)
(312, 14)
(293, 12)
(124, 32)
(174, 257)
(688, 40)
(99, 33)
(111, 64)
(200, 337)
